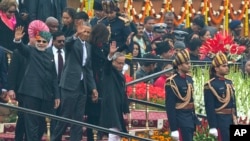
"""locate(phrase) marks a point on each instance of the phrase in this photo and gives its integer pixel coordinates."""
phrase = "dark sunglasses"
(60, 41)
(43, 41)
(11, 11)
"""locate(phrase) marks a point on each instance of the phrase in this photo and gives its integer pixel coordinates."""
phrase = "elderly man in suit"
(38, 87)
(76, 79)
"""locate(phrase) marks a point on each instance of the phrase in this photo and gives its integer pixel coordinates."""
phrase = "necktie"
(60, 63)
(151, 36)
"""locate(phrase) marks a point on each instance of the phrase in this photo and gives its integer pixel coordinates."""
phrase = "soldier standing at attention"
(179, 99)
(118, 26)
(220, 99)
(98, 12)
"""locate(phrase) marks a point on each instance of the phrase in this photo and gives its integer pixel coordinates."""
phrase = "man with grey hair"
(114, 100)
(76, 79)
(169, 20)
(53, 24)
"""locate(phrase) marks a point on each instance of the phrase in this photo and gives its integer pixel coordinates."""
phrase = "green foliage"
(241, 85)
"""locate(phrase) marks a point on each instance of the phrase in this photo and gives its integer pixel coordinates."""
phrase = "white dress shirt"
(55, 52)
(84, 56)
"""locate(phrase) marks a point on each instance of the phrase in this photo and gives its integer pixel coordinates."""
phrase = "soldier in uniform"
(179, 99)
(99, 14)
(118, 26)
(220, 99)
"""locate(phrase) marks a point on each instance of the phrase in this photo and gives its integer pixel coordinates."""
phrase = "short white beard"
(39, 48)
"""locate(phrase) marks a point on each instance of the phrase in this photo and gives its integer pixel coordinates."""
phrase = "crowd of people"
(70, 65)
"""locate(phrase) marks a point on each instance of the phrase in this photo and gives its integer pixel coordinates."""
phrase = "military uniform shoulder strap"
(189, 74)
(206, 85)
(125, 20)
(169, 79)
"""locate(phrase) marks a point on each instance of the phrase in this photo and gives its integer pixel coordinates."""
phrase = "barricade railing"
(94, 127)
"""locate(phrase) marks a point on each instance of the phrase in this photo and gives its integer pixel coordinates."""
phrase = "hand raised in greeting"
(19, 33)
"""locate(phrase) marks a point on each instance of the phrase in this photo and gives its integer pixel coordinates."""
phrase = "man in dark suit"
(39, 86)
(114, 100)
(77, 78)
(15, 75)
(3, 76)
(148, 32)
(57, 49)
(42, 9)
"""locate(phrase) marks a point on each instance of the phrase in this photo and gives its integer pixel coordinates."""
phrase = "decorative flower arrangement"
(156, 94)
(156, 135)
(163, 134)
(222, 42)
(201, 133)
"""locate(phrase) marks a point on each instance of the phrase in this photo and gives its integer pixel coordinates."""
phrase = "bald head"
(169, 20)
(53, 24)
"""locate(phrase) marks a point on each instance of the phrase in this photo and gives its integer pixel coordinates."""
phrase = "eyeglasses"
(60, 41)
(11, 11)
(43, 41)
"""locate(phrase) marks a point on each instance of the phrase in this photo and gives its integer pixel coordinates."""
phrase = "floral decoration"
(156, 135)
(222, 42)
(156, 94)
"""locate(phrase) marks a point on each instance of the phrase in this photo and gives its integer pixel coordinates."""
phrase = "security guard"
(220, 99)
(117, 25)
(99, 14)
(179, 99)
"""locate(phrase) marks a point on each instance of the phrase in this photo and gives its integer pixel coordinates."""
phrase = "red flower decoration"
(221, 43)
(141, 90)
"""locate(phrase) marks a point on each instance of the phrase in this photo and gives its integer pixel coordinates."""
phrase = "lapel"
(79, 50)
(49, 49)
(87, 45)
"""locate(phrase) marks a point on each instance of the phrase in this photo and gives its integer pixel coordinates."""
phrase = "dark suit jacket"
(16, 70)
(40, 78)
(42, 9)
(3, 70)
(114, 101)
(147, 42)
(73, 69)
(49, 49)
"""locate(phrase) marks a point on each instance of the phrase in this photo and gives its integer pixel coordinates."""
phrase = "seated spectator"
(235, 28)
(159, 29)
(180, 35)
(53, 24)
(163, 51)
(160, 82)
(147, 67)
(68, 17)
(140, 39)
(204, 35)
(131, 64)
(194, 46)
(179, 45)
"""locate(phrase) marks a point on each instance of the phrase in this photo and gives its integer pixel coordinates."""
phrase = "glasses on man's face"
(11, 12)
(60, 41)
(41, 41)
